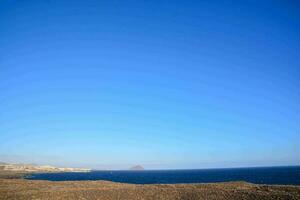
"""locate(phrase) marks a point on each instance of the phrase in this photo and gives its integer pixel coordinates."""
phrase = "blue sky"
(164, 84)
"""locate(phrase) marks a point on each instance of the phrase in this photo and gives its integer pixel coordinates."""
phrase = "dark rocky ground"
(17, 188)
(11, 175)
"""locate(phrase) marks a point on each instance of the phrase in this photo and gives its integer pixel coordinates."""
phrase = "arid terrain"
(38, 168)
(12, 186)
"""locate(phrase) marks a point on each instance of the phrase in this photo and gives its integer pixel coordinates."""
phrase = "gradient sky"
(164, 84)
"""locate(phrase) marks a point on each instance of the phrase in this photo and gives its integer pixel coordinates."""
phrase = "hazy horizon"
(163, 84)
(149, 167)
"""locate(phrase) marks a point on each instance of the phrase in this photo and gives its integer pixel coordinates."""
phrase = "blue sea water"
(261, 175)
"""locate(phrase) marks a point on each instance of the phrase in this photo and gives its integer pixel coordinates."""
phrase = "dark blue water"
(263, 175)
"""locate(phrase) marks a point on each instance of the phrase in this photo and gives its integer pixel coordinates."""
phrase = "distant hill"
(137, 167)
(36, 168)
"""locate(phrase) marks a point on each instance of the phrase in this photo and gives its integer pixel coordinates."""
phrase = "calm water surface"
(263, 175)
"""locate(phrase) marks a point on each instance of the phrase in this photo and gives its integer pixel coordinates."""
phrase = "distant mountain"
(137, 167)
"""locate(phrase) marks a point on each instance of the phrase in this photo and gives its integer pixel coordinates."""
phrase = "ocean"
(259, 175)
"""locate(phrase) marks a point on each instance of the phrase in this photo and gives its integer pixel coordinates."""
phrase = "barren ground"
(14, 187)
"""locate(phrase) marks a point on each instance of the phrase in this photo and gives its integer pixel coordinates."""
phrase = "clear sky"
(164, 84)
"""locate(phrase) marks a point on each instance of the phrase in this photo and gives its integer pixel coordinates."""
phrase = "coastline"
(13, 185)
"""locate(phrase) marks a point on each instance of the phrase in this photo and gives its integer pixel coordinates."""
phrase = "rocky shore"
(13, 186)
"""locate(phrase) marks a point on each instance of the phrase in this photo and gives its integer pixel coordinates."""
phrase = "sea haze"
(259, 175)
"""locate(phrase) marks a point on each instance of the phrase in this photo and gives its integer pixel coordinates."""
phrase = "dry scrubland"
(13, 188)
